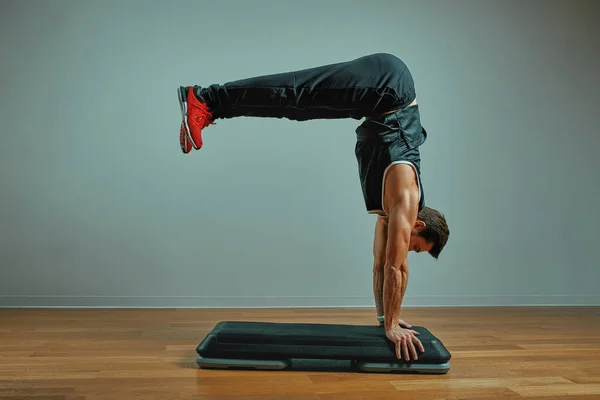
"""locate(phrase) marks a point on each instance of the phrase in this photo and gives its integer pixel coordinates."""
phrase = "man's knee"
(391, 62)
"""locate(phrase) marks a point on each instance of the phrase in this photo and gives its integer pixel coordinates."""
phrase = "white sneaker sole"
(182, 95)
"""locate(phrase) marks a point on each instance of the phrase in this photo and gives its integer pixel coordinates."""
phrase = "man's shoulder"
(402, 188)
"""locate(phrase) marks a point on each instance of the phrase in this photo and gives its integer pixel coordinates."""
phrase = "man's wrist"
(381, 320)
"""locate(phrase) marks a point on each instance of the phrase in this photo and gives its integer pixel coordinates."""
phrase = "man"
(379, 88)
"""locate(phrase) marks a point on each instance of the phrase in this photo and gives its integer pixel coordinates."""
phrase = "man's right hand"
(406, 342)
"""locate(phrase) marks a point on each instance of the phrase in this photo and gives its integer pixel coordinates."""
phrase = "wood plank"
(559, 390)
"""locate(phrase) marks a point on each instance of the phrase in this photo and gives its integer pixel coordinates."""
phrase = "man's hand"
(406, 342)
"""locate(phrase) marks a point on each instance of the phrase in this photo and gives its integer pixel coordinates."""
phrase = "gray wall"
(100, 208)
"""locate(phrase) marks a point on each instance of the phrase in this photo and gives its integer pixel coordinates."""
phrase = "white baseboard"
(286, 302)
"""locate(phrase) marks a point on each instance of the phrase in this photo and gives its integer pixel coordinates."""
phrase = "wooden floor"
(497, 353)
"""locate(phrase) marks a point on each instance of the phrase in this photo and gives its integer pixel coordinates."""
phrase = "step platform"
(314, 346)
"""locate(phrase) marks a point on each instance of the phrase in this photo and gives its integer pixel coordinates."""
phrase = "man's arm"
(401, 201)
(401, 198)
(379, 245)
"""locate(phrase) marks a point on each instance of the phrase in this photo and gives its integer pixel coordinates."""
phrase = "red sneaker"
(195, 116)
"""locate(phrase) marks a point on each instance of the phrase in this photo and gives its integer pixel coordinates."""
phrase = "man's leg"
(366, 86)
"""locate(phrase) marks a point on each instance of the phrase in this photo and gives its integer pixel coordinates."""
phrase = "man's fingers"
(405, 349)
(420, 345)
(398, 356)
(413, 351)
(414, 332)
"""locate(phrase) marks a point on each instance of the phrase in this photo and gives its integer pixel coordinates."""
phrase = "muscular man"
(380, 89)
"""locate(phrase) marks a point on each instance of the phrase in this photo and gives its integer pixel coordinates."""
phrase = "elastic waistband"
(402, 124)
(384, 128)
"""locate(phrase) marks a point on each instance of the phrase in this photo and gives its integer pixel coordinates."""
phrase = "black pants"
(366, 87)
(363, 87)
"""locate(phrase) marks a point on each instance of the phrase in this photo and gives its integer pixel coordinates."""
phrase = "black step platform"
(274, 346)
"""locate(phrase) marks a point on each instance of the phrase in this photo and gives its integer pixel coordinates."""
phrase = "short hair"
(436, 229)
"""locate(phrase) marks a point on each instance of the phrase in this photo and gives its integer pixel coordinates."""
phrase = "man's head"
(430, 232)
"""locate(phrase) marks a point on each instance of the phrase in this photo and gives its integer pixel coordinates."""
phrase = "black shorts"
(380, 143)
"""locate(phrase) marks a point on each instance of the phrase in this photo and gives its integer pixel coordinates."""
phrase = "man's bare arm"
(401, 200)
(379, 244)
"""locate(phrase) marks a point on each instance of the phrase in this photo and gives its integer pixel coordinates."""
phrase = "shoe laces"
(205, 117)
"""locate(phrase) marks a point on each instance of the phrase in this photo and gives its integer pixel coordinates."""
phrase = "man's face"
(417, 243)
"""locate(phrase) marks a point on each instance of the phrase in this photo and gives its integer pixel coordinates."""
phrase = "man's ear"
(419, 225)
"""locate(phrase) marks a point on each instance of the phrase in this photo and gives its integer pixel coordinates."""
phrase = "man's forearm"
(378, 288)
(394, 287)
(378, 280)
(395, 271)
